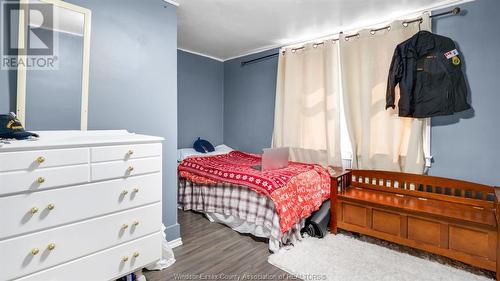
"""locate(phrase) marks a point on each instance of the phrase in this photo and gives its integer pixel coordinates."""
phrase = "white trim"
(21, 68)
(175, 243)
(172, 2)
(255, 51)
(200, 54)
(427, 144)
(85, 69)
(429, 8)
(61, 31)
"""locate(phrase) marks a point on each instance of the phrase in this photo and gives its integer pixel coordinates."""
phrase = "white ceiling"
(225, 29)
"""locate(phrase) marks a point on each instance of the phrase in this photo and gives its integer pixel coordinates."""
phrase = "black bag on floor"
(317, 223)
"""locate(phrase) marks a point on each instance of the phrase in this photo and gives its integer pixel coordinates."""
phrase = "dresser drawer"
(106, 265)
(39, 210)
(125, 152)
(31, 253)
(118, 169)
(21, 181)
(31, 160)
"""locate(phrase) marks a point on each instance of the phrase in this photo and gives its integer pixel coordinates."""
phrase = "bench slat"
(455, 191)
(430, 206)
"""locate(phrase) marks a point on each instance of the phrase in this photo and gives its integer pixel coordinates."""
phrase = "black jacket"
(428, 69)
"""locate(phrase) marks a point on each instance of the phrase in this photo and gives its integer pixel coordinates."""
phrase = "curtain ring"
(372, 32)
(354, 35)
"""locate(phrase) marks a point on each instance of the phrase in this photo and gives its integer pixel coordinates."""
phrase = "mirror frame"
(21, 70)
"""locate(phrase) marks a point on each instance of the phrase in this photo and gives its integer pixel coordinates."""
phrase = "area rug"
(343, 258)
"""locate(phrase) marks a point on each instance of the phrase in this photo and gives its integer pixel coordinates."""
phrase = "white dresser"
(80, 206)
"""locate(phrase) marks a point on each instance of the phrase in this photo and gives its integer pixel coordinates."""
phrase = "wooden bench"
(452, 218)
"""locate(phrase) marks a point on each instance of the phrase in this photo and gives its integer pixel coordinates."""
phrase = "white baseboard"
(175, 243)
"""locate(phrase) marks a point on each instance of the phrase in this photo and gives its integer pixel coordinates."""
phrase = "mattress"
(240, 208)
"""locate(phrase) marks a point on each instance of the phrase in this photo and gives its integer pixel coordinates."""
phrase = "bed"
(184, 153)
(276, 212)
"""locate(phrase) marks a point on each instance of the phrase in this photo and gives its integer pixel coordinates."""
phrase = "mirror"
(53, 83)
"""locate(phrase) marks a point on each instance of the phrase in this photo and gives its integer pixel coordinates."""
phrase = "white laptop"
(274, 158)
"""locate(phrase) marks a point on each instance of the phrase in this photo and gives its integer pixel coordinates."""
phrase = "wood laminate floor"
(212, 251)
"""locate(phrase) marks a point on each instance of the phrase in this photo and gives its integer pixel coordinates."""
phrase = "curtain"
(307, 104)
(380, 139)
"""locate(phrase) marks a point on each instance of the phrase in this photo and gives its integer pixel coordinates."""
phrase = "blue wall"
(465, 146)
(65, 97)
(249, 94)
(200, 99)
(133, 79)
(8, 90)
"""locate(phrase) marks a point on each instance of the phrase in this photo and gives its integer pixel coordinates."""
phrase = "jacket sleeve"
(395, 75)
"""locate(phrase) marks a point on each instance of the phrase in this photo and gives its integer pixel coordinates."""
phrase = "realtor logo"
(27, 36)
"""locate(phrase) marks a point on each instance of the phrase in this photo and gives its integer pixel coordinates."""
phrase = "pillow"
(203, 146)
(221, 149)
(183, 153)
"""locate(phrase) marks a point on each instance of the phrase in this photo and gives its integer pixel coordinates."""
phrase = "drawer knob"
(51, 246)
(130, 152)
(124, 192)
(130, 168)
(40, 160)
(124, 226)
(124, 259)
(40, 180)
(136, 254)
(50, 207)
(34, 210)
(35, 251)
(135, 223)
(135, 190)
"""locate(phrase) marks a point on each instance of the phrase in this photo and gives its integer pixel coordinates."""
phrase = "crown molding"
(201, 54)
(172, 2)
(255, 51)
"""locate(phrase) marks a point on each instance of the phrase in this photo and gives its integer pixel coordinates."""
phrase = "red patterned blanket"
(296, 191)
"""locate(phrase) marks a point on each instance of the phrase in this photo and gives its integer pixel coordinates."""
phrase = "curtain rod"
(455, 11)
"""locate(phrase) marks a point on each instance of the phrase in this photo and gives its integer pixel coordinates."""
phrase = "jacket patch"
(451, 54)
(455, 60)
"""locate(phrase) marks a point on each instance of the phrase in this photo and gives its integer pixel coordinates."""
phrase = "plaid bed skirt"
(237, 201)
